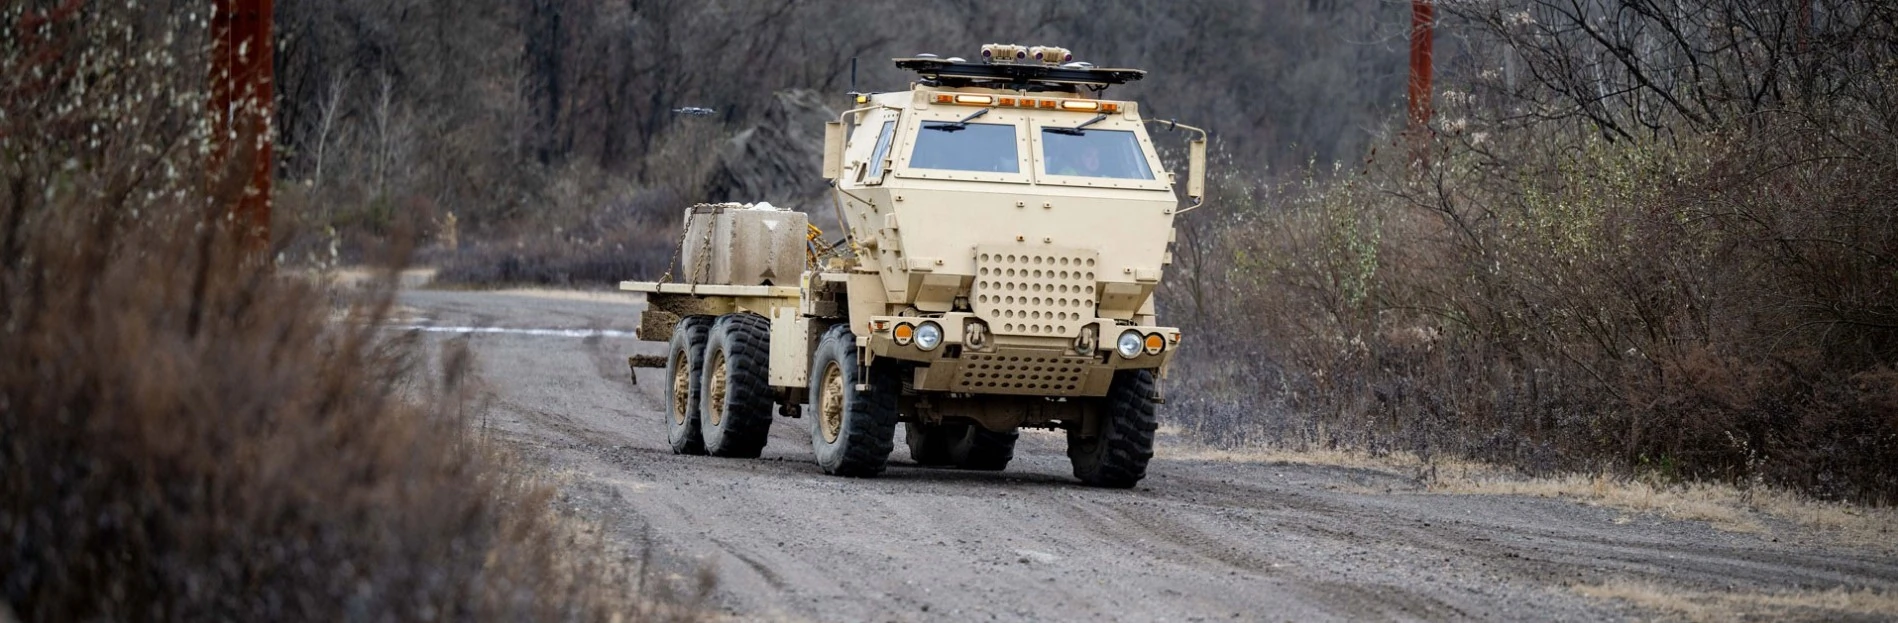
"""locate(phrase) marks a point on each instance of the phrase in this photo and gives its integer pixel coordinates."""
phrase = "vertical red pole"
(1422, 17)
(1805, 25)
(242, 98)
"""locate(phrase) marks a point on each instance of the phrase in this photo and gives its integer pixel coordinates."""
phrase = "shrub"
(1712, 302)
(186, 434)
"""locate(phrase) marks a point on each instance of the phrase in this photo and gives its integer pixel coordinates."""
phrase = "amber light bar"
(972, 99)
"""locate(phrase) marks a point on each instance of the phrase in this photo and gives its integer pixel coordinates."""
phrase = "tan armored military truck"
(1006, 227)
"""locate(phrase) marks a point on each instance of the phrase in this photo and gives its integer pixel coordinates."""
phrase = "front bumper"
(1025, 365)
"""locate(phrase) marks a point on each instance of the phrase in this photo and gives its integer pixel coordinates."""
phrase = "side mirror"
(834, 150)
(1195, 164)
(1196, 168)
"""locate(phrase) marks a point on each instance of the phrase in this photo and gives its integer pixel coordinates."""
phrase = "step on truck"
(1005, 226)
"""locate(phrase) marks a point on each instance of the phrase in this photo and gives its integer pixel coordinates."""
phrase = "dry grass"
(1674, 603)
(188, 434)
(1723, 506)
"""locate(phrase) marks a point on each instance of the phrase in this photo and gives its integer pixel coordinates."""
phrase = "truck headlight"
(1130, 344)
(929, 336)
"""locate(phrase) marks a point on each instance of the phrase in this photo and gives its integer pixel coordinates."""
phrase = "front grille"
(1045, 292)
(1034, 375)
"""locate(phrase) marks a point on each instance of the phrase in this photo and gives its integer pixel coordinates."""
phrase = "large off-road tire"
(1117, 456)
(685, 369)
(735, 393)
(933, 444)
(984, 449)
(852, 430)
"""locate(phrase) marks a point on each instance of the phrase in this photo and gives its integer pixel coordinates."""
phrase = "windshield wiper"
(1076, 130)
(956, 126)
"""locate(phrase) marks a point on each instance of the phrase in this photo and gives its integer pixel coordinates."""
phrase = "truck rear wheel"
(1116, 456)
(852, 430)
(735, 401)
(984, 449)
(933, 444)
(685, 369)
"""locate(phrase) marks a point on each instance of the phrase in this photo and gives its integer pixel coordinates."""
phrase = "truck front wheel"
(735, 401)
(852, 430)
(685, 369)
(1116, 455)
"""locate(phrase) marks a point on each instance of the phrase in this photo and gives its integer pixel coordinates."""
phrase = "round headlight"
(1129, 344)
(929, 336)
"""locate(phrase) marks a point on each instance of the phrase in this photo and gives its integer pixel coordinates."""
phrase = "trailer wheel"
(984, 449)
(1116, 457)
(852, 430)
(933, 444)
(685, 367)
(735, 400)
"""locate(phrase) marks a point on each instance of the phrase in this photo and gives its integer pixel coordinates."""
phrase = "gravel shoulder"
(1201, 539)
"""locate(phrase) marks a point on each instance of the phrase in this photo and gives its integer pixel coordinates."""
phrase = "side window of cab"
(874, 173)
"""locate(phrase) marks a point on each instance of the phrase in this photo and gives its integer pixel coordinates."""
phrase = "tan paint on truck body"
(1013, 262)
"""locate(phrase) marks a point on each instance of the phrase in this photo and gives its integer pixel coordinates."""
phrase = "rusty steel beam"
(242, 101)
(1422, 18)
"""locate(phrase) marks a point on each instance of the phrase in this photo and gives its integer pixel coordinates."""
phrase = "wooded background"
(509, 111)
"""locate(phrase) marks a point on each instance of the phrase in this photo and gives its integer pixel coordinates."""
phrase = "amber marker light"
(1155, 343)
(904, 333)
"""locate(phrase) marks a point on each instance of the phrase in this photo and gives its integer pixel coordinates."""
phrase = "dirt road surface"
(1198, 540)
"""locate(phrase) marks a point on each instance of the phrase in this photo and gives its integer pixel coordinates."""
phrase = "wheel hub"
(831, 409)
(716, 390)
(681, 390)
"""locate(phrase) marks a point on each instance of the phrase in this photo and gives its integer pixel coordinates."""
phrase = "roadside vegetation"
(1636, 241)
(187, 434)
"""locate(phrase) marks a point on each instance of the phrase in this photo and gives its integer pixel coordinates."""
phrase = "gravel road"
(1198, 540)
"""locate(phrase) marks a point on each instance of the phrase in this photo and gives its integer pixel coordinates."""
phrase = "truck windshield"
(986, 147)
(1095, 153)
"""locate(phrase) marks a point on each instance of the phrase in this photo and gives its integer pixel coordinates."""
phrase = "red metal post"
(1805, 25)
(242, 100)
(1422, 17)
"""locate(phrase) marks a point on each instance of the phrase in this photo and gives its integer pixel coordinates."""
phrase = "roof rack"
(1020, 77)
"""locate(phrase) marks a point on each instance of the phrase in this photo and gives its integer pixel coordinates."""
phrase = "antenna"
(853, 75)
